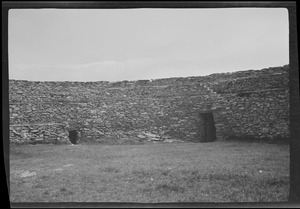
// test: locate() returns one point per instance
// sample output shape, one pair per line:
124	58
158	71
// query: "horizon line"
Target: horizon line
230	72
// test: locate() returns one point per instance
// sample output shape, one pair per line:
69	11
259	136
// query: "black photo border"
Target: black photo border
294	194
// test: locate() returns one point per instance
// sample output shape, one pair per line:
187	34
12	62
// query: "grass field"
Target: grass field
150	173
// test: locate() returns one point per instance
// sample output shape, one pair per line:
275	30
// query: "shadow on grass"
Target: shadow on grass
110	170
250	139
166	188
113	141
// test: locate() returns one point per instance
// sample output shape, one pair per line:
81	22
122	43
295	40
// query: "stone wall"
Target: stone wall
260	114
248	103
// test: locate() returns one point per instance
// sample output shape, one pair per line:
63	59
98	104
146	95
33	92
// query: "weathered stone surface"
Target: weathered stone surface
246	103
141	136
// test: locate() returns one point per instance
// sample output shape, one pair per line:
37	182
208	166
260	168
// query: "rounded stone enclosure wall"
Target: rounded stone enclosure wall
243	104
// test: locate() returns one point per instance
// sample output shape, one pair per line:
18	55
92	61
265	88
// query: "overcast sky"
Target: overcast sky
132	44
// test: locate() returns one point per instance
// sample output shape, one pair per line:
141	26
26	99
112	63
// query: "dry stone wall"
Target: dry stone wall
244	104
261	114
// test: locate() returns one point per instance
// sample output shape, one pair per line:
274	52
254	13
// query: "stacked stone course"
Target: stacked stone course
245	104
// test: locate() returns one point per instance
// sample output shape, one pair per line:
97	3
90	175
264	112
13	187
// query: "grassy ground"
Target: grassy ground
176	172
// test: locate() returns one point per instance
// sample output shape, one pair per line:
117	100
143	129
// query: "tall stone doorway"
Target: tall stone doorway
206	127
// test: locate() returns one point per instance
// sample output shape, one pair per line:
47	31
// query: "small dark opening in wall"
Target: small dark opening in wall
73	136
206	128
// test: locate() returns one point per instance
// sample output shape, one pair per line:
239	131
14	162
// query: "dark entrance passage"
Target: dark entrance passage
207	129
73	136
